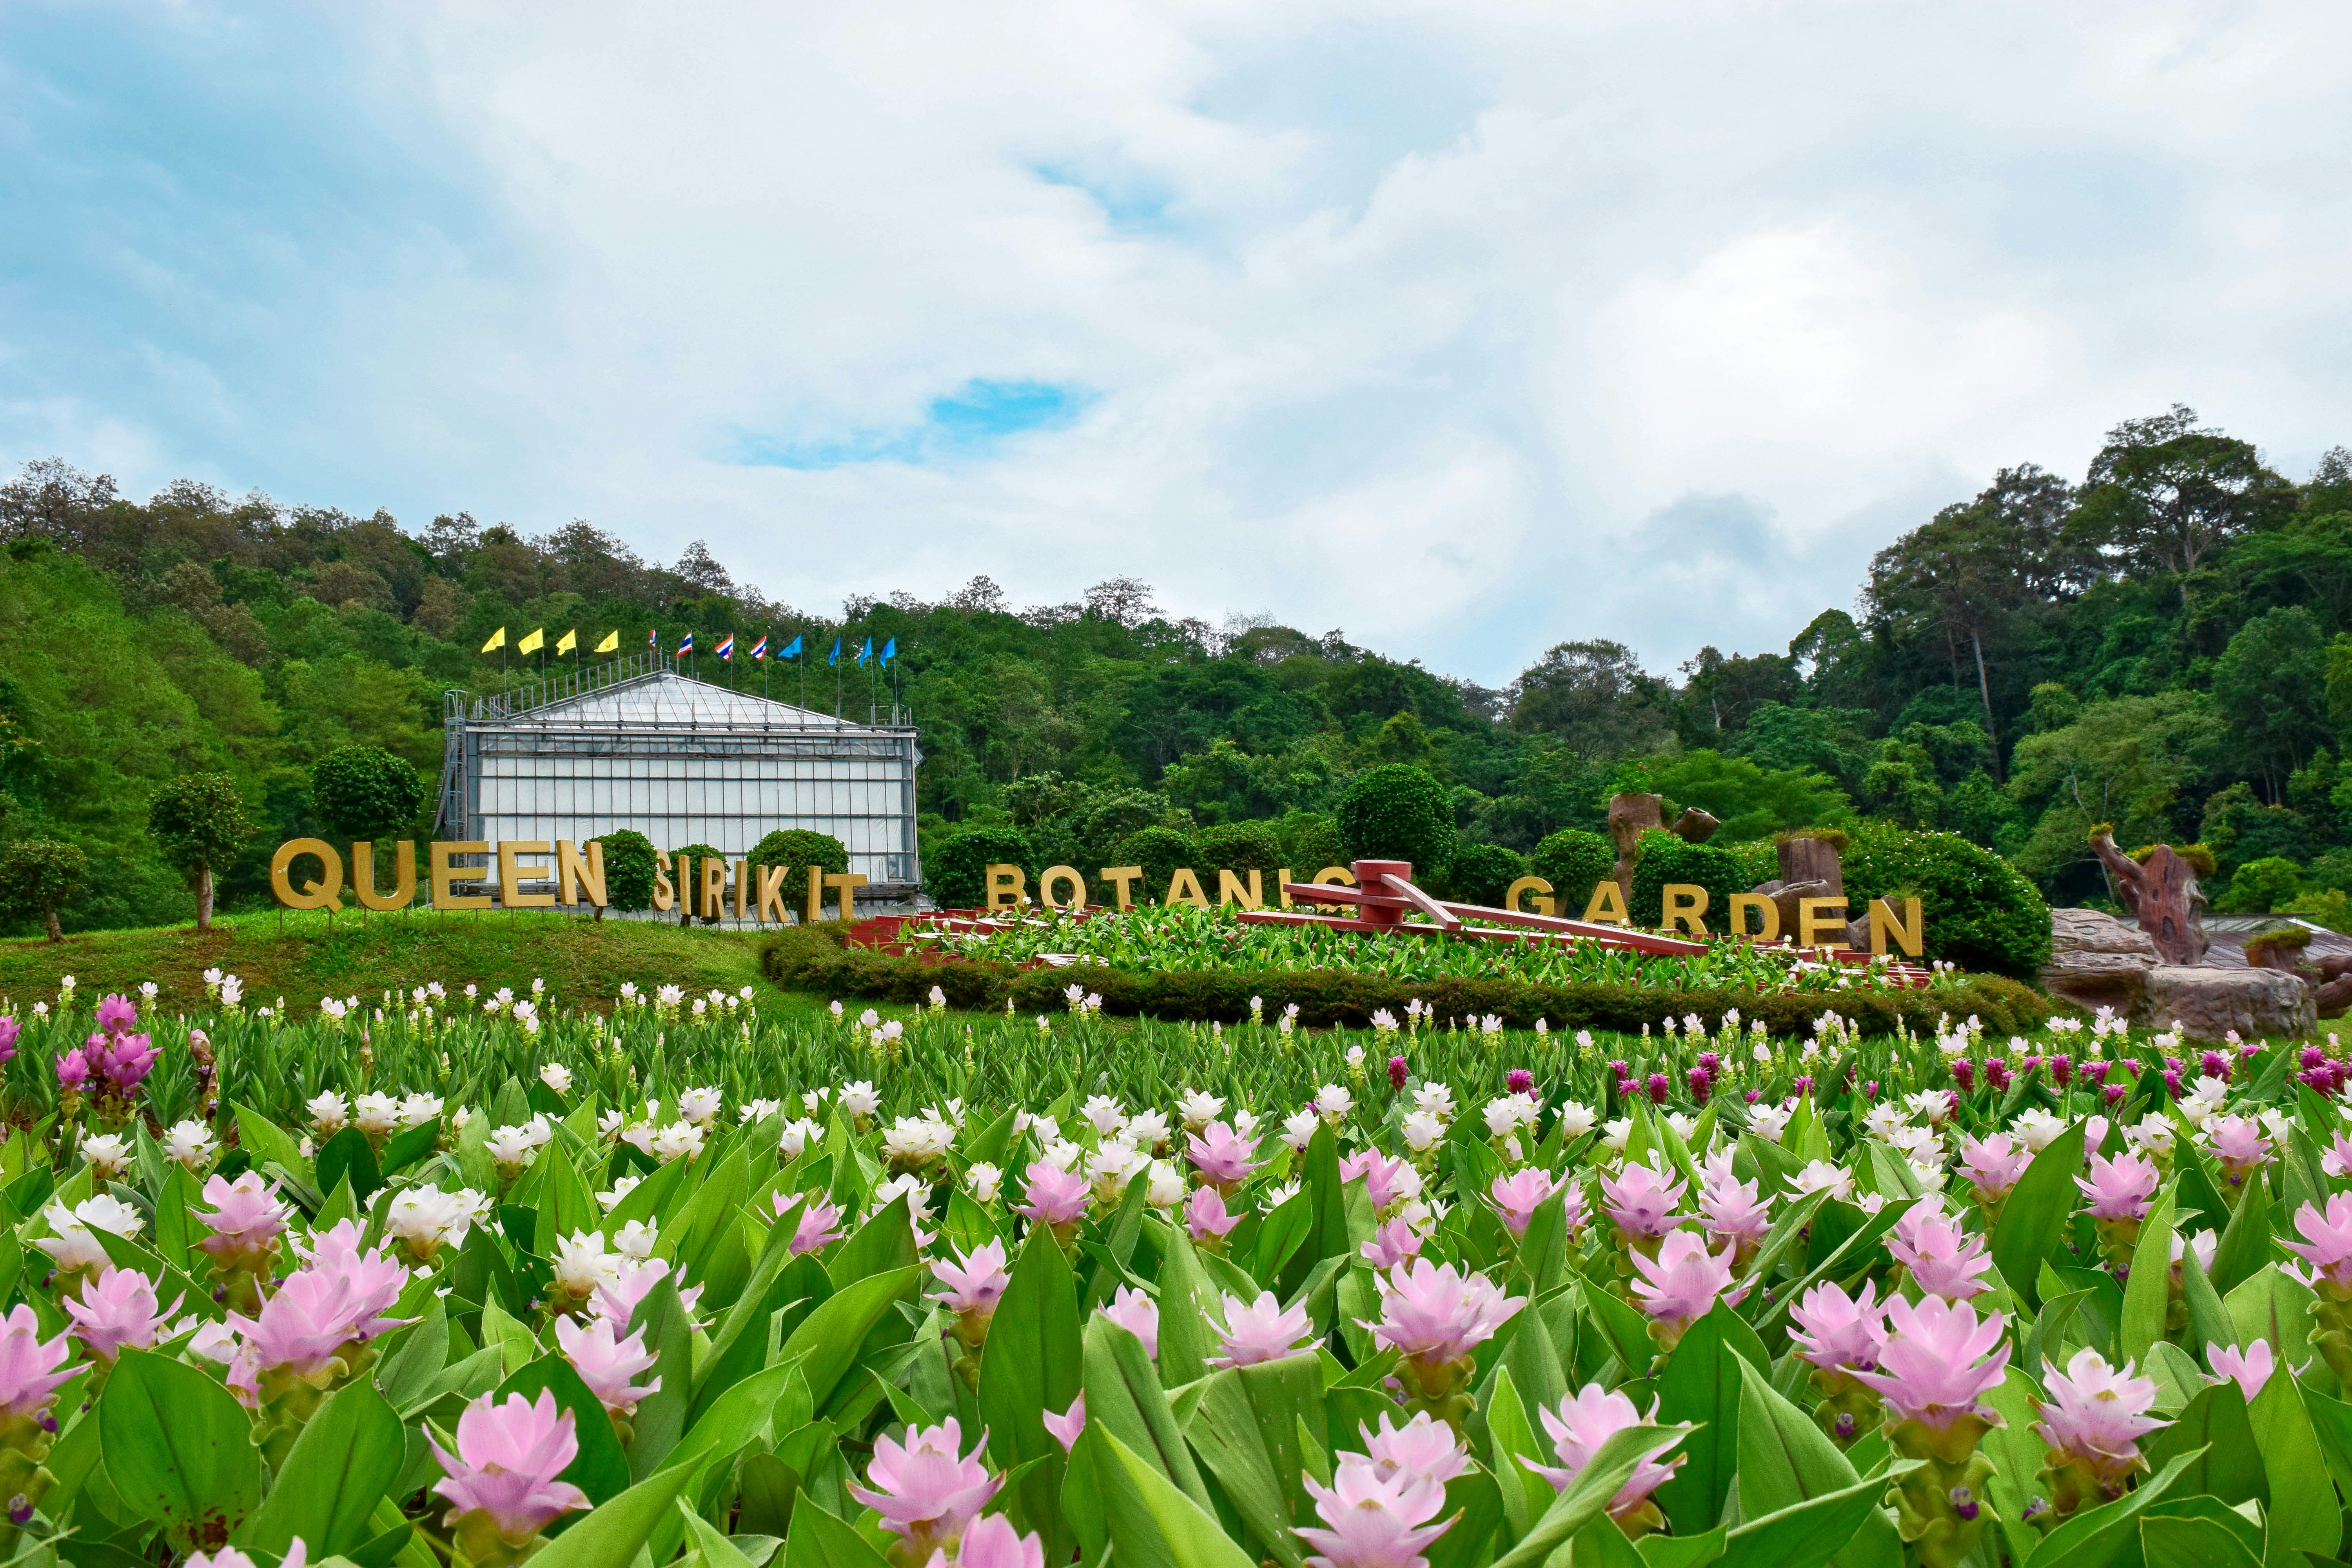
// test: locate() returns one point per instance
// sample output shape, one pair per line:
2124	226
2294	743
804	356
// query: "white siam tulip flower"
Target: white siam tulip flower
557	1077
429	1219
1820	1176
1105	1115
1768	1121
377	1115
2036	1129
1149	1131
797	1136
1575	1119
416	1110
1199	1109
860	1101
1167	1187
109	1154
330	1113
759	1110
680	1139
1333	1102
636	1240
1436	1098
622	1187
581	1264
985	1180
192	1144
1616	1134
700	1106
1422	1130
1298	1129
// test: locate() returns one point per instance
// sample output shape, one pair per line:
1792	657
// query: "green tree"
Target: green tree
798	849
2271	682
40	876
1980	913
199	824
1482	873
2141	762
1160	851
2164	494
1574	862
689	897
1396	811
2262	886
1241	846
957	872
1666	858
629	863
366	792
1594	697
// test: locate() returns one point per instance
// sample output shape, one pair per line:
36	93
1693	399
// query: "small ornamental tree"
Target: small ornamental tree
1161	851
40	876
1482	873
1241	846
689	895
1397	812
199	823
799	848
1980	911
1666	858
366	792
1573	861
629	860
958	874
2262	886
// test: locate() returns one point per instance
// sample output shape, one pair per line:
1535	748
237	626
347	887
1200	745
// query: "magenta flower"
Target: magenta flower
1374	1521
2251	1368
1063	1426
1935	1368
1398	1072
605	1362
974	1282
506	1477
1585	1420
1519	1196
1434	1313
819	1226
1392	1244
1640	1202
116	1014
1681	1284
1138	1314
73	1069
1259	1331
1993	1164
2240	1146
1221	1155
927	1490
123	1060
245	1217
2095	1416
9	1029
1206	1216
31	1368
1733	1212
2327	1243
1420	1447
1838	1332
1055	1196
1945	1259
993	1543
1388	1183
117	1309
2118	1189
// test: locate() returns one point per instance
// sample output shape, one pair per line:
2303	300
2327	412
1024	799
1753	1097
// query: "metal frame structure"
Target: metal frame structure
638	744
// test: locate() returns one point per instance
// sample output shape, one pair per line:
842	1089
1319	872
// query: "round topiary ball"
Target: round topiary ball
1980	911
1239	846
799	848
1573	861
1397	812
1482	873
629	859
1160	851
366	792
1666	858
957	877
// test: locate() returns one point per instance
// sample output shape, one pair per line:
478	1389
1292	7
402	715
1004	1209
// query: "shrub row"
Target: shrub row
816	958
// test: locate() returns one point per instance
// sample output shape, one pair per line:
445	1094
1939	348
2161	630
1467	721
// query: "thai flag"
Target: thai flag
727	647
759	648
686	645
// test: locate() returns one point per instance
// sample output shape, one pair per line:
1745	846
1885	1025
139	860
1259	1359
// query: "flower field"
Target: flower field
435	1276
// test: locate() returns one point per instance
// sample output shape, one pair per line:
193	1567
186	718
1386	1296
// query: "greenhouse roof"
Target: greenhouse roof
669	700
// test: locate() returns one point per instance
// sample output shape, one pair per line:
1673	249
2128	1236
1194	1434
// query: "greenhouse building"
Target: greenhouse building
638	743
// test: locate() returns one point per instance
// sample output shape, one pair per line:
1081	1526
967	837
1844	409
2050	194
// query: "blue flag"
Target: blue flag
864	652
834	656
890	649
794	652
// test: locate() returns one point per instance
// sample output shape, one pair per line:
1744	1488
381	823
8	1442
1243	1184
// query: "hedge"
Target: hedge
816	958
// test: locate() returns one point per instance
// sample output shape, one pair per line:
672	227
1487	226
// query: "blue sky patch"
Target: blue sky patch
969	422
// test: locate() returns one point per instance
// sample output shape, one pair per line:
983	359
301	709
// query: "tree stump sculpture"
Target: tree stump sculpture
1630	816
2161	894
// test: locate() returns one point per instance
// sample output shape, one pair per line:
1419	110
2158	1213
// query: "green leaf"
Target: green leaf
1476	1503
1603	1475
348	1156
718	1552
598	1469
1034	1360
1510	1438
828	1339
1186	1339
1807	1534
179	1448
734	1418
2229	1465
2245	1244
347	1454
2034	1217
565	1203
2093	1538
1239	1451
611	1536
2151	1273
660	1420
2016	1451
1151	1523
1626	1329
1700	1384
2169	1543
2271	1304
883	1243
270	1144
1123	1393
2303	1515
1784	1458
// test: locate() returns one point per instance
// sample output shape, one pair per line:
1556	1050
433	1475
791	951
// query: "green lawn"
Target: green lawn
305	955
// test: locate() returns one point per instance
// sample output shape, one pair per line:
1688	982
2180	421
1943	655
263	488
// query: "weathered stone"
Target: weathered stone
2208	1003
1784	896
1806	860
2096	960
1693	825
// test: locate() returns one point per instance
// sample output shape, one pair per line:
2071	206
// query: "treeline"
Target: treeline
2162	644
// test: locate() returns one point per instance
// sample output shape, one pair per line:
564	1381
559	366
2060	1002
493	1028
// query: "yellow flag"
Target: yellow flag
610	643
532	640
570	641
497	640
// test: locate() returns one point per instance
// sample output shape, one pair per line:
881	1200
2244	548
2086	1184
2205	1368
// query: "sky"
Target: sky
1463	328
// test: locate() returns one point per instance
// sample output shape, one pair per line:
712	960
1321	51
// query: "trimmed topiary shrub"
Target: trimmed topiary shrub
800	848
1981	912
1160	851
199	822
1311	843
39	876
1482	873
1397	812
2261	886
629	869
1572	860
366	792
691	897
1666	858
957	877
1241	846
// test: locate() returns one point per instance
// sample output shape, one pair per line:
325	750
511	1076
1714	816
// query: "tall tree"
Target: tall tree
1595	697
2165	493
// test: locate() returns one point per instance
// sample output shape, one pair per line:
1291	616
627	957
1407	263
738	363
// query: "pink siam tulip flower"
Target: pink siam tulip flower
1221	1155
9	1029
1260	1331
31	1368
1353	1165
124	1060
372	1281
1945	1259
1434	1313
2336	1162
1733	1212
1518	1196
927	1490
246	1218
1993	1164
1681	1284
2093	1422
993	1543
1373	1522
1063	1426
1935	1369
116	1014
297	1556
2118	1189
605	1362
1392	1244
618	1298
2249	1368
506	1477
73	1069
819	1226
116	1310
2240	1146
1388	1183
1585	1420
1640	1202
975	1282
2326	1244
1838	1332
1206	1218
1420	1447
1055	1197
1138	1314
